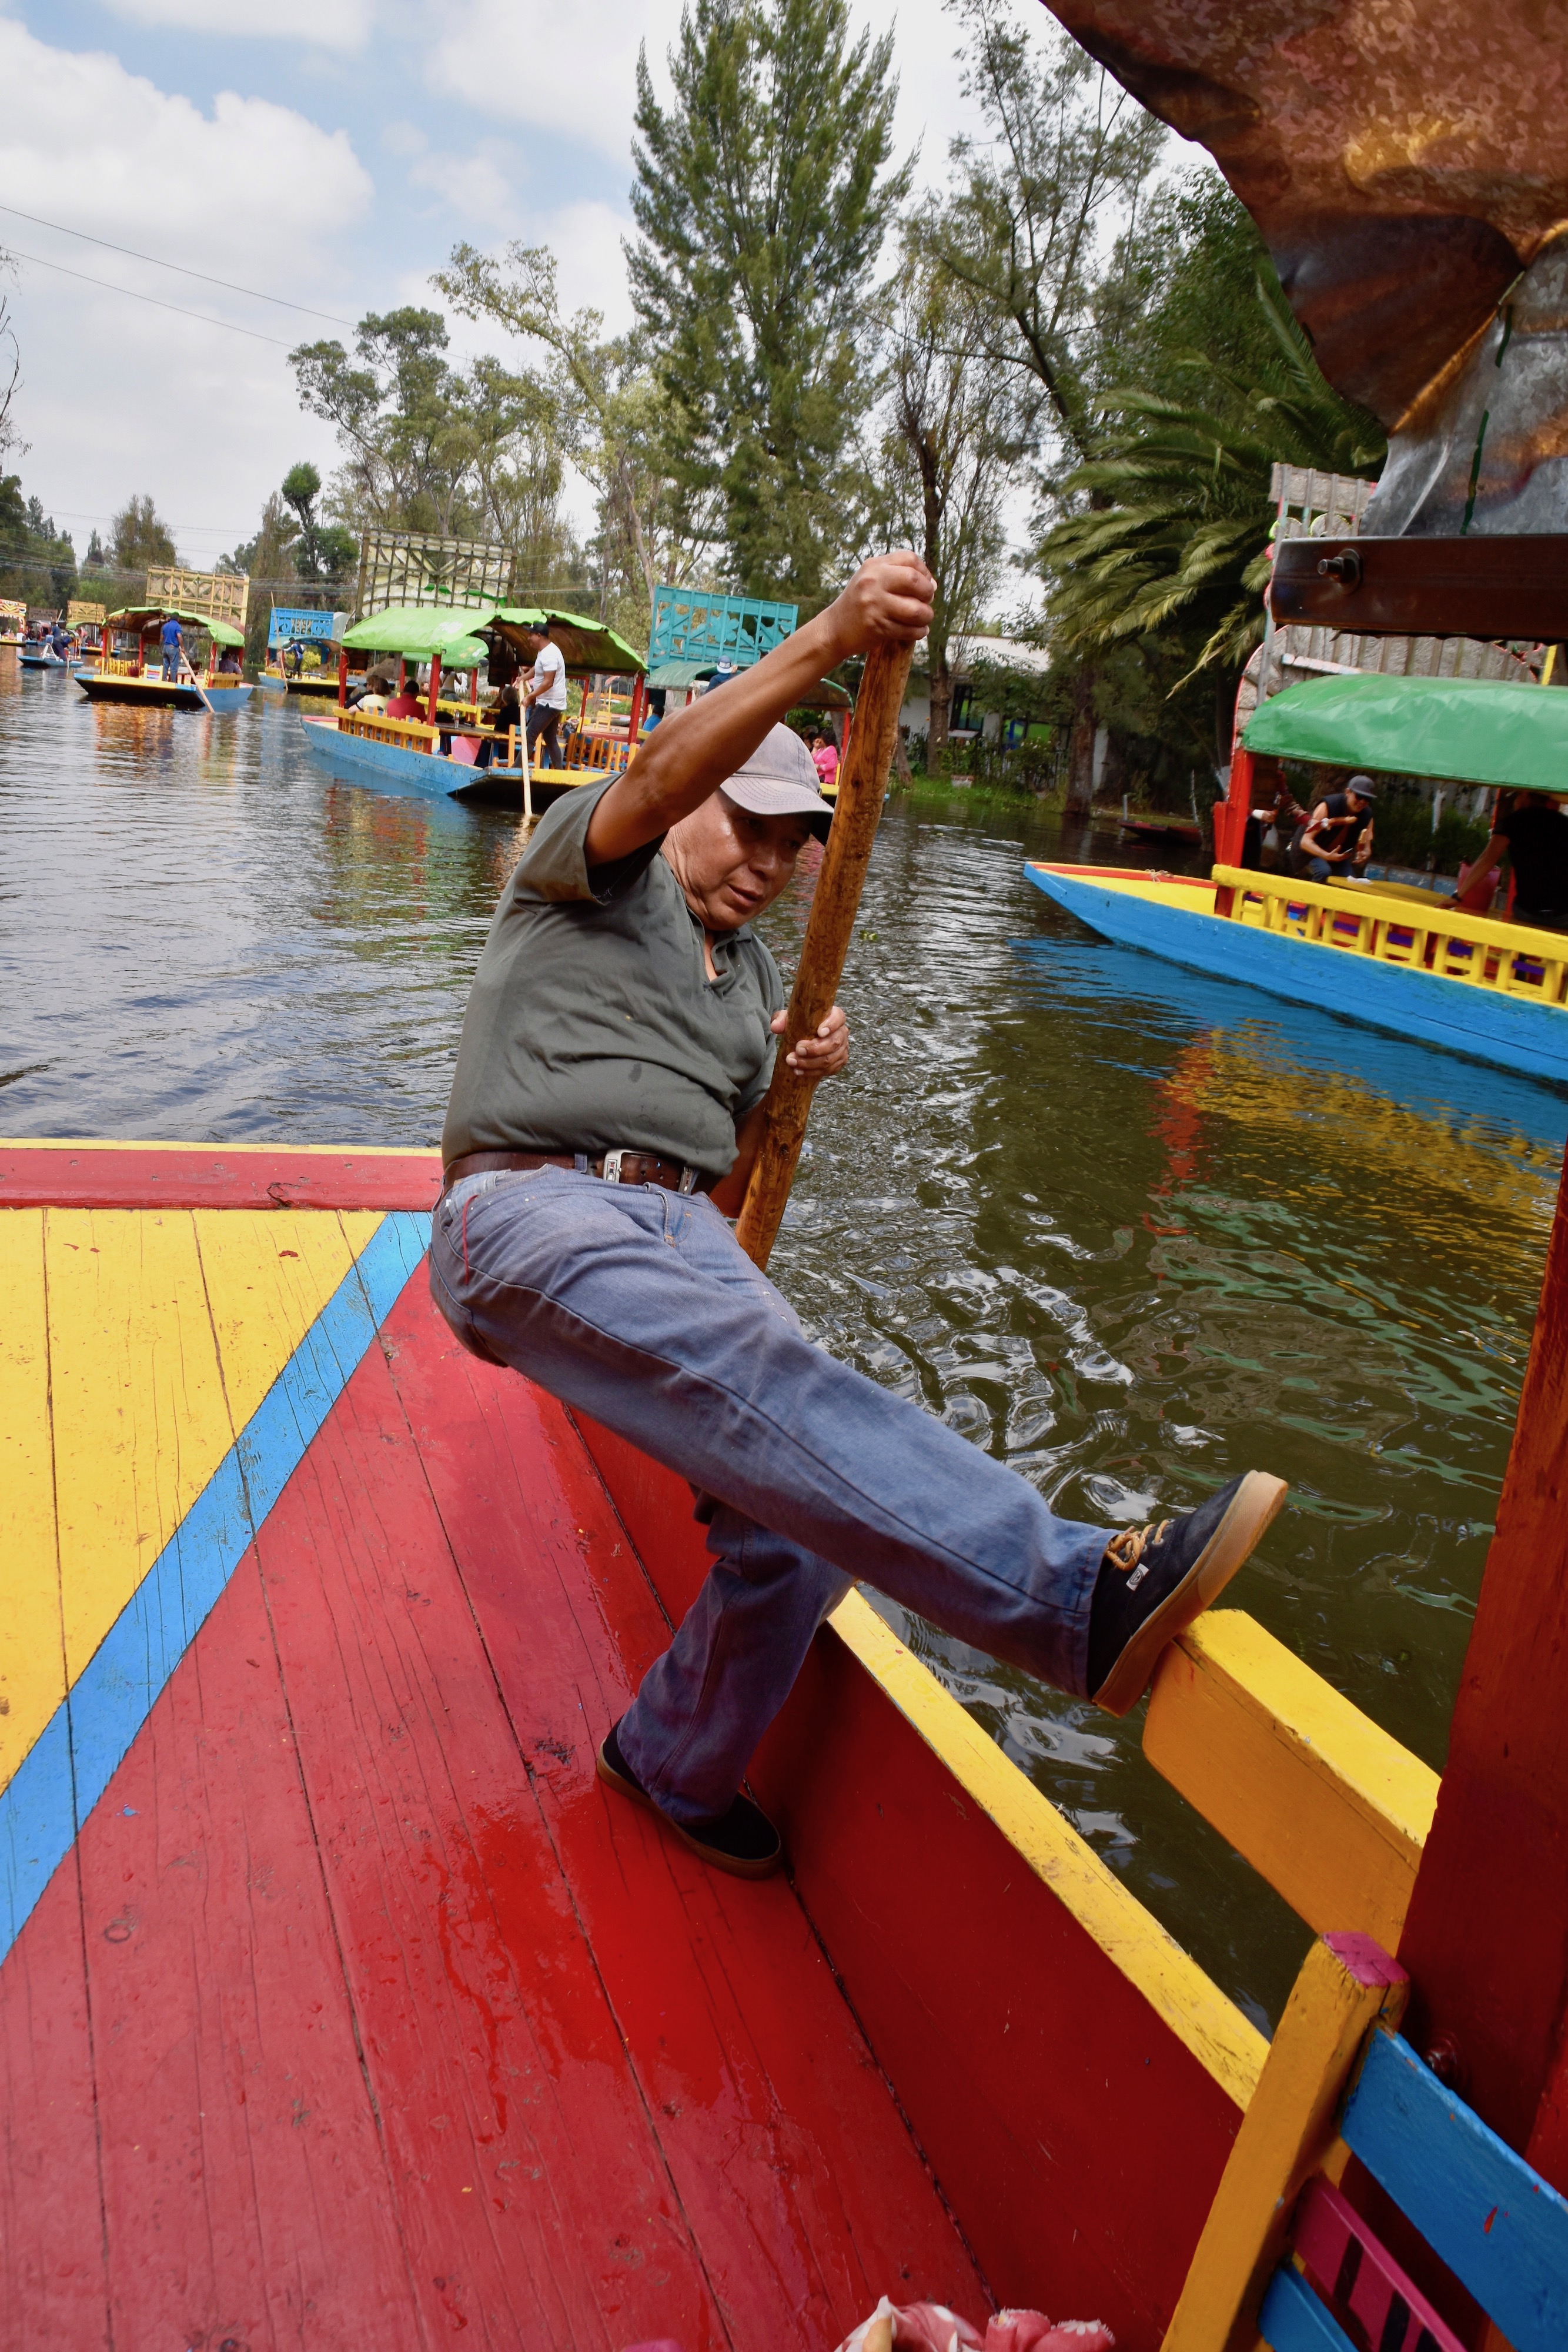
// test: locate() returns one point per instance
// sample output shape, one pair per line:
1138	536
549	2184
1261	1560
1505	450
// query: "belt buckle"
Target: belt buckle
610	1168
688	1182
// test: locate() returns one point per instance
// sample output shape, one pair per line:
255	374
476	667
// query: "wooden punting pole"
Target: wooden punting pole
862	782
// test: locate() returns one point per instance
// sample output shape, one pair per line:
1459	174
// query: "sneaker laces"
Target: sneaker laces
1127	1550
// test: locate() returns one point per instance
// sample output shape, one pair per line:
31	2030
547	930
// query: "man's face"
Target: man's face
730	864
1358	805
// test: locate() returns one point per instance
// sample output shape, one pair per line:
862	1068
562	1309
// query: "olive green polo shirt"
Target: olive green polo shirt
592	1024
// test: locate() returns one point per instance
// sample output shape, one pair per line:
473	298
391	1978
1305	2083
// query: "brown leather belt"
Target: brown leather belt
612	1168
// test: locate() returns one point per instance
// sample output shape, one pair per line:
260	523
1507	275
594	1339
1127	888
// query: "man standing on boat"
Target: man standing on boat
607	1106
174	642
545	699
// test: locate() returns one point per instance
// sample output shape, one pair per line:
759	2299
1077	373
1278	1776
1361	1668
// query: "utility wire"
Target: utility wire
278	341
129	251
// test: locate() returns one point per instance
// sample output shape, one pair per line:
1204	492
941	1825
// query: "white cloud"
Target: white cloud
569	71
327	24
251	183
119	396
473	185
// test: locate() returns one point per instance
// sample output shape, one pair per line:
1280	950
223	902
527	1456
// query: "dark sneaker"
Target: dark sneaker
742	1841
1155	1580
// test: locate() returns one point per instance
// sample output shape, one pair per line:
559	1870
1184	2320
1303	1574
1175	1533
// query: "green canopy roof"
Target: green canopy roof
453	631
1474	730
223	633
422	630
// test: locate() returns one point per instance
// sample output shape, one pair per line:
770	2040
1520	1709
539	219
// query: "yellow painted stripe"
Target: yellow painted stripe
31	1659
1222	2039
141	1423
269	1273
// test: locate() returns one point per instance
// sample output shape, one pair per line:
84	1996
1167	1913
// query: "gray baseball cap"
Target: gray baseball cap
1362	786
780	779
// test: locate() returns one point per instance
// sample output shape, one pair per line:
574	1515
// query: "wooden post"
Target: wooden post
862	784
342	677
1346	1986
635	721
527	775
1486	1939
434	689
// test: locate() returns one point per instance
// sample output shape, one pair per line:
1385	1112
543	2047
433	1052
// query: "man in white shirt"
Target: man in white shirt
545	699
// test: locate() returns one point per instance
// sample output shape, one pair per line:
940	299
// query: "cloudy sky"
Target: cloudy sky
330	151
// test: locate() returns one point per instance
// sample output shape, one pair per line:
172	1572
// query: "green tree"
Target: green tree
1169	545
427	448
610	413
958	424
762	195
324	553
1045	224
139	538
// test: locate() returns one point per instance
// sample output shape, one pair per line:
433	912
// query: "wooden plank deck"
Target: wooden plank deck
347	2007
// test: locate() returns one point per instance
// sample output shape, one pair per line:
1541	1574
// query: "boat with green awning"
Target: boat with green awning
1401	958
454	749
129	669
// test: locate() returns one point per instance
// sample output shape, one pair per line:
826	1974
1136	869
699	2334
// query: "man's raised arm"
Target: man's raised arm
691	755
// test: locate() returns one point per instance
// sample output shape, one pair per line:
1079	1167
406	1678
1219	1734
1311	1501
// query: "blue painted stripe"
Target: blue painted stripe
1457	1015
1293	2320
1502	2230
73	1760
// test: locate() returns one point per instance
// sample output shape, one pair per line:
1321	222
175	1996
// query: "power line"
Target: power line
179	266
179	309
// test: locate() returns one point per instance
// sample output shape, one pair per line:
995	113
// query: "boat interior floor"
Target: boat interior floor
347	2005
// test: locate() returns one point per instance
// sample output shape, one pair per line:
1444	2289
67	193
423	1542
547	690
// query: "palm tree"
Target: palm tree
1173	542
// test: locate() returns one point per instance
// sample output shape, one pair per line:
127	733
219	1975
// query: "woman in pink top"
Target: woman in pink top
825	758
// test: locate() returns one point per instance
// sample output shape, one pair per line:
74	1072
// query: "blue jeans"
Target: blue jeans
171	663
638	1306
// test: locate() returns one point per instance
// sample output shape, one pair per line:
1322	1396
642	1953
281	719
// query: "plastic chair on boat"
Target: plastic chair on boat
1286	2259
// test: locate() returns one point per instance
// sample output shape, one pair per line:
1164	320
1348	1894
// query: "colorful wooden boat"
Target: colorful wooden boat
435	758
340	2003
1405	960
129	669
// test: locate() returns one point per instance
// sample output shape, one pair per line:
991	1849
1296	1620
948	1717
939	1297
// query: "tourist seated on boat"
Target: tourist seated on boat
228	662
1337	837
544	699
505	713
407	703
607	1106
825	759
172	637
1275	810
1532	830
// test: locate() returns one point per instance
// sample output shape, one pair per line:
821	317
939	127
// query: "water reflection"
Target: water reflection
1131	1229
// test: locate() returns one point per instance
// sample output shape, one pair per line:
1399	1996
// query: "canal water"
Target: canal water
1131	1230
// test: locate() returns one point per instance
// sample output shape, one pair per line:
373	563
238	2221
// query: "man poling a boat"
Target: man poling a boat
607	1106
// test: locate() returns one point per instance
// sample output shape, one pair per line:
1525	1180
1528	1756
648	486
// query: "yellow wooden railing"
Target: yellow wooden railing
1511	959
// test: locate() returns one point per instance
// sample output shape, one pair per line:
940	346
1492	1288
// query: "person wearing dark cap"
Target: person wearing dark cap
606	1109
1337	837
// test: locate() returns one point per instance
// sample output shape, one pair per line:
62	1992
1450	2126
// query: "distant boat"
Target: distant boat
130	678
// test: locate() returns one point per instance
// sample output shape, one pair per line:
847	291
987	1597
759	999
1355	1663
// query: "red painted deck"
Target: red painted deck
360	2015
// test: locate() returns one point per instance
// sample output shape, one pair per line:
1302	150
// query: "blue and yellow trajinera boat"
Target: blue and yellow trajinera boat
1402	959
437	757
128	667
